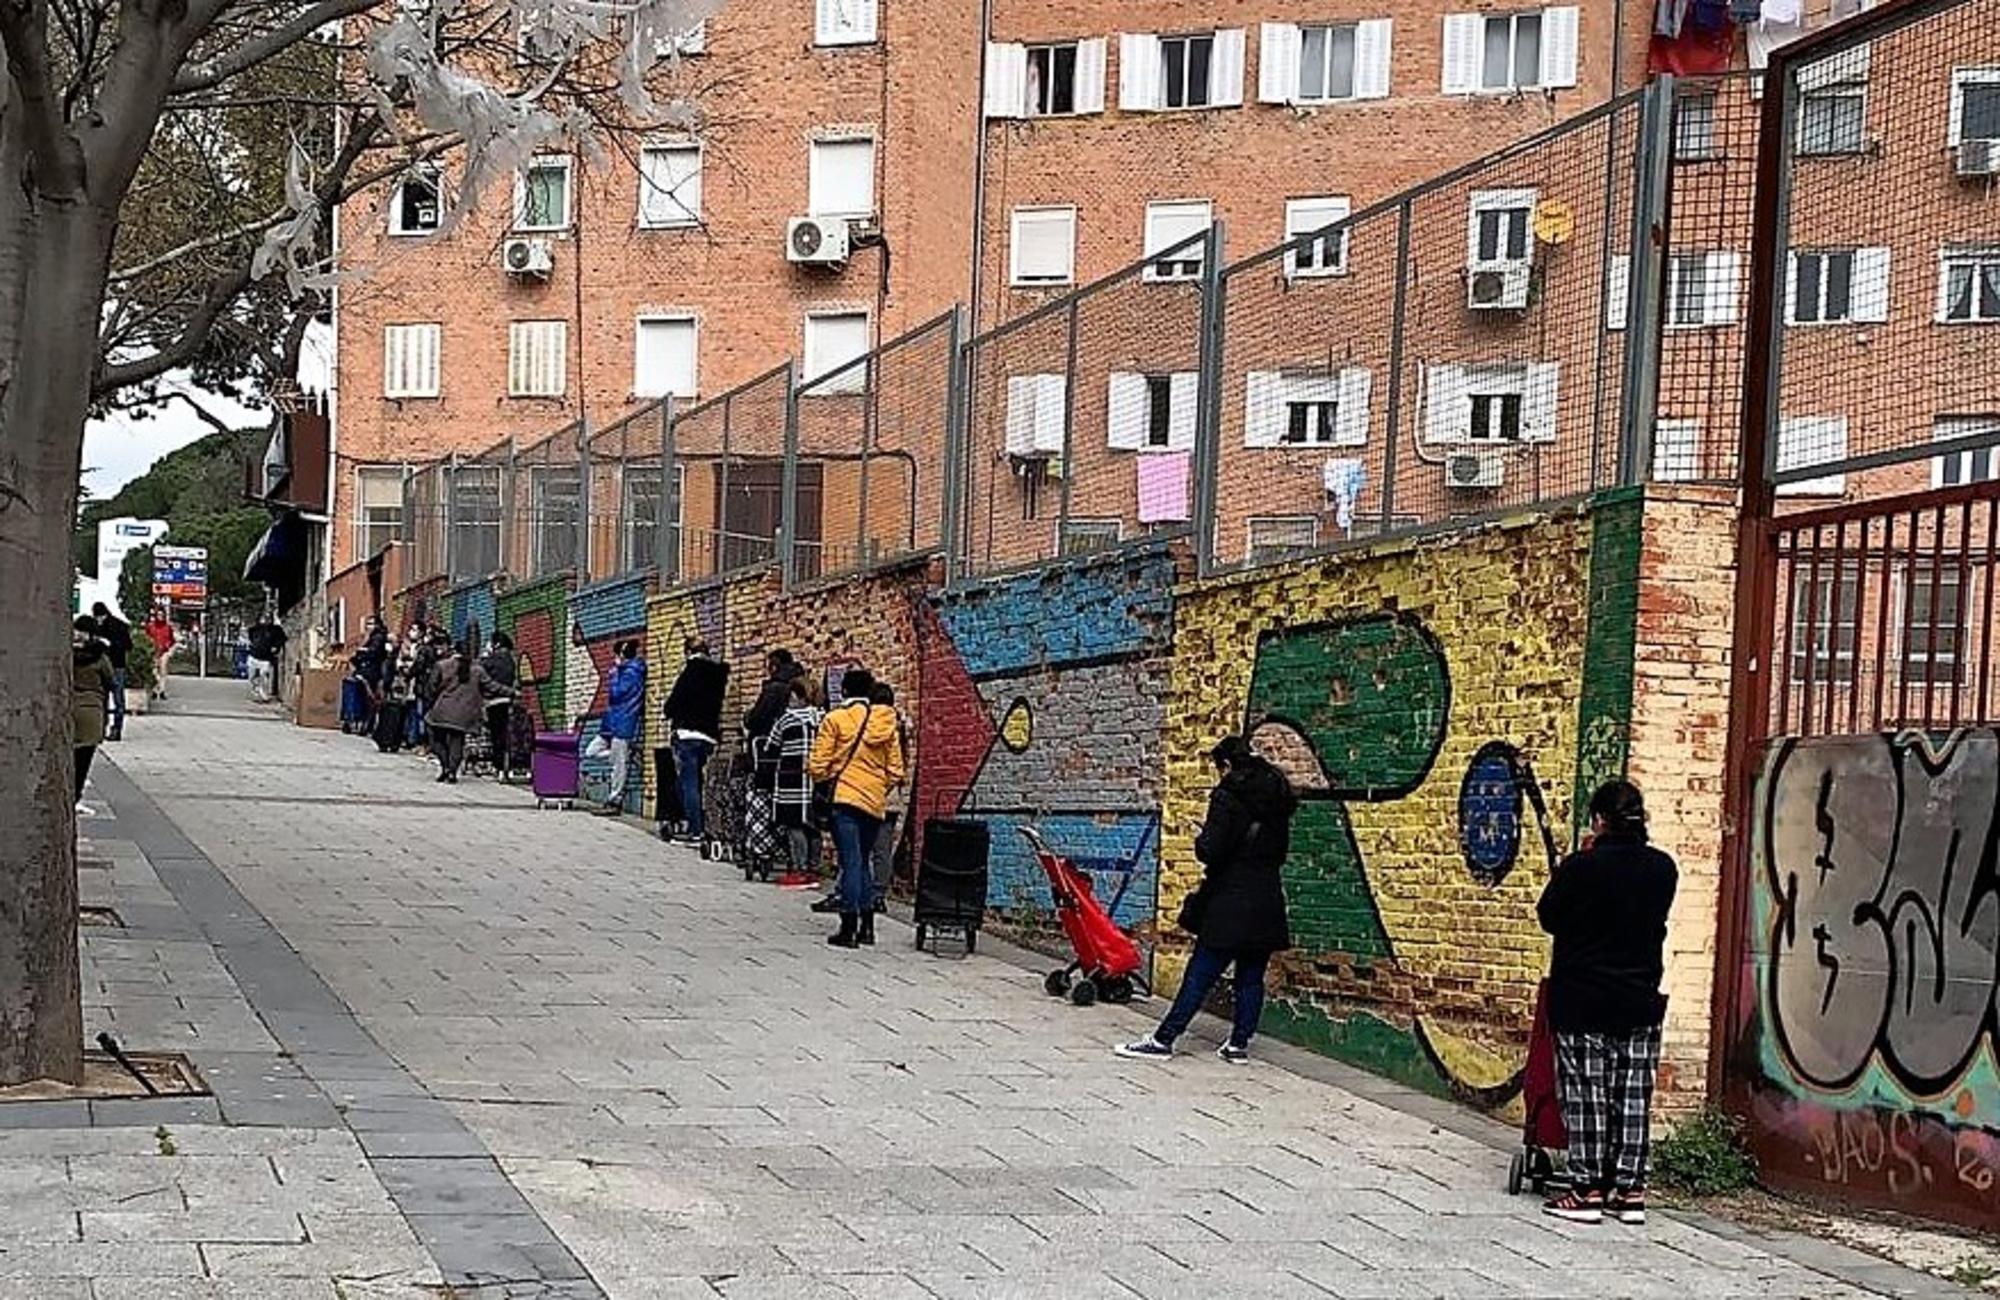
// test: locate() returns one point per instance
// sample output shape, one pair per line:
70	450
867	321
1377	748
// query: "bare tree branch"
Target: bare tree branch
24	35
269	45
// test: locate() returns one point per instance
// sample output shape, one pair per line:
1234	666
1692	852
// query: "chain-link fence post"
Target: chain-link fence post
667	503
1646	278
585	489
506	532
1068	461
1208	415
957	393
450	515
788	489
1399	308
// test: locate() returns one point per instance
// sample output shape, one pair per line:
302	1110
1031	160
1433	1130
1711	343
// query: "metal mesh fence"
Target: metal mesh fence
546	506
422	526
873	450
625	467
726	460
477	511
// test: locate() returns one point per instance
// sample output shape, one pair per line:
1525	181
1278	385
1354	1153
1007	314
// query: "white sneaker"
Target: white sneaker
1146	1049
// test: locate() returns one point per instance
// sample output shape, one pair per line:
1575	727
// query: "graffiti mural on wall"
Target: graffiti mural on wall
599	618
535	617
1878	960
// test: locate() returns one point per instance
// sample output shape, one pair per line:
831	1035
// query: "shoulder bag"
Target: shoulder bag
823	791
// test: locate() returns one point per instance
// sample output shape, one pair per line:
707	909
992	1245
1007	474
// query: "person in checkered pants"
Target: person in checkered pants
1606	907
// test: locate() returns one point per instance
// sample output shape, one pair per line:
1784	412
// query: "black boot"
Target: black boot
865	936
845	937
826	904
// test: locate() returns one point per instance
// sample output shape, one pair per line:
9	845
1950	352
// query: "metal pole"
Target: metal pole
1069	430
788	501
953	505
1208	414
666	505
1652	198
583	493
505	529
871	375
449	551
1398	309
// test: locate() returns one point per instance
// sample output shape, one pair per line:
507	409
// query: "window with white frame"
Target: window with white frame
1934	622
1491	402
1975	105
1835	285
542	194
416	207
670	185
410	360
1051	90
841	177
555	512
641	510
1326	254
1169	224
378	509
1037	413
1307	408
1277	537
1530	49
1043	247
1833	103
1702	289
663	363
1082	536
1806	441
1190	70
1976	465
1323	63
1676	451
1826	619
475	521
1184	70
844	22
834	340
1498	231
1969	285
537	358
1151	412
1058	79
1694	126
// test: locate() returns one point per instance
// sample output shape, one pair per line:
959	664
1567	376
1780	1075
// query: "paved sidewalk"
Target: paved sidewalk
580	1063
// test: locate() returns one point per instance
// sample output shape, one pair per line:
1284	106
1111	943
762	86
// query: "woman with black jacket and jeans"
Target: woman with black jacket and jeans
1606	908
1237	914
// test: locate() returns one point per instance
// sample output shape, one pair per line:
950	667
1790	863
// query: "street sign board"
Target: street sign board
180	575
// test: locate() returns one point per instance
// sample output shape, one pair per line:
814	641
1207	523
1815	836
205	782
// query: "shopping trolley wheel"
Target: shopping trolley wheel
1085	992
923	935
971	940
1516	1168
1056	983
1117	989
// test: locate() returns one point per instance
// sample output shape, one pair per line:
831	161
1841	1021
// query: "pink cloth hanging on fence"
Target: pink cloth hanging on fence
1163	487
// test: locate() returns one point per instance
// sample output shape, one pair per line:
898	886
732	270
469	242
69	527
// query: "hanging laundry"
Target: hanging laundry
1668	15
1707	16
1343	479
1787	13
1695	54
1768	36
1745	12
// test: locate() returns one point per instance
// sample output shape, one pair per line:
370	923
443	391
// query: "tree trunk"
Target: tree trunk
54	256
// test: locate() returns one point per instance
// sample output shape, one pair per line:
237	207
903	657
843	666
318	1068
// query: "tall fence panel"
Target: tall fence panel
424	527
478	513
725	467
625	465
547	506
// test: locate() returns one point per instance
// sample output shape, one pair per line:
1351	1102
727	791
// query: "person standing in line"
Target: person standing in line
116	634
774	697
882	863
625	700
160	632
90	689
267	646
501	670
693	713
859	751
1237	914
791	742
1606	908
460	706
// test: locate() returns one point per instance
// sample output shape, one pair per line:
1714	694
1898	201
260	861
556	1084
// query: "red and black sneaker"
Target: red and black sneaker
1576	1207
1627	1207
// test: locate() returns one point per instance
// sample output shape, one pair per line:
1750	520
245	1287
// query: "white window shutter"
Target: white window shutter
1225	69
1126	411
1277	63
1538	402
1350	428
1089	75
1464	52
1868	300
862	13
1139	74
1371	58
1183	399
1447	412
1618	292
1006	79
1559	46
1719	286
1051	408
1792	286
1264	413
1022	391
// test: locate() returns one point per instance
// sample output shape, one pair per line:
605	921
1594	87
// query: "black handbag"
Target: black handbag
823	791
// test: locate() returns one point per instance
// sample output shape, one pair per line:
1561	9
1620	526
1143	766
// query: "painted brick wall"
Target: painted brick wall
536	617
600	616
472	604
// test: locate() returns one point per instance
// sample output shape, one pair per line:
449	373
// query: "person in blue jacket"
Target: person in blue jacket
625	700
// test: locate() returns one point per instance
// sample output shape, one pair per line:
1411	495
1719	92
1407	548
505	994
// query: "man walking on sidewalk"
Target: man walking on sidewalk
694	720
116	634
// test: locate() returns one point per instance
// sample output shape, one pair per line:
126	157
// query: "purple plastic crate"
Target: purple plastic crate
557	763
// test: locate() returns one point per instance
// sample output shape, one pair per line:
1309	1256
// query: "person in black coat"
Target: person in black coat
116	634
693	714
1606	908
1237	914
774	697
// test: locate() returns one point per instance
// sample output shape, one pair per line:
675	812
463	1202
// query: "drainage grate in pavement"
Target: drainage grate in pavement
100	917
104	1079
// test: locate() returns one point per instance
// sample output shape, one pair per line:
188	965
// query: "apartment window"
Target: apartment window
1833	103
1184	70
1513	51
1969	285
1980	465
1278	537
1975	105
1043	249
1326	63
1488	403
416	208
1676	451
410	364
1808	441
1498	53
542	195
664	362
642	512
841	178
475	521
556	511
1496	417
1933	622
1171	224
1326	254
1197	70
378	509
537	358
1830	286
1152	412
669	185
1051	80
1701	289
1499	226
1306	408
1323	63
1825	623
1082	536
844	22
1037	413
834	340
1694	126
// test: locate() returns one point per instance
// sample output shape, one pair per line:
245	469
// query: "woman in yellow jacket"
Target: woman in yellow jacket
859	751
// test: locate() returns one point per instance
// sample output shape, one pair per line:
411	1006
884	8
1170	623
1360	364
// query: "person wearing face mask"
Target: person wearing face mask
90	690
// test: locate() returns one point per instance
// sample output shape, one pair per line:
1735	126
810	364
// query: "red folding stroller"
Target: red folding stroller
1107	960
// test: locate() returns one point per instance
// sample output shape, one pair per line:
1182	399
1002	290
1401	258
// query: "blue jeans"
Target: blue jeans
117	702
690	756
1204	969
854	835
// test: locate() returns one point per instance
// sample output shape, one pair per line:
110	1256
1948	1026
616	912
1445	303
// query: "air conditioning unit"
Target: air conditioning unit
1979	158
1498	287
528	257
816	241
1474	470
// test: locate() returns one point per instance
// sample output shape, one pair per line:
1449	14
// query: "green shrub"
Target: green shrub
139	668
1704	1156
